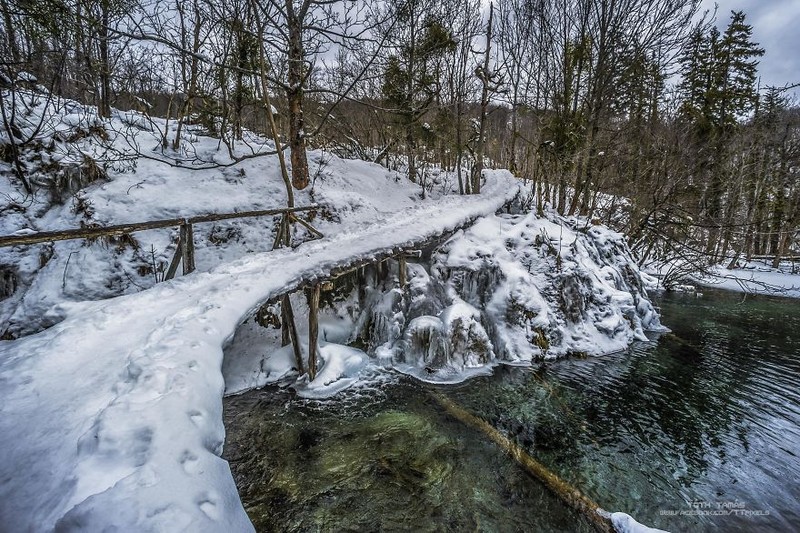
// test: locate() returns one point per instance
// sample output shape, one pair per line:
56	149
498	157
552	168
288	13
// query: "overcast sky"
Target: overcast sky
776	27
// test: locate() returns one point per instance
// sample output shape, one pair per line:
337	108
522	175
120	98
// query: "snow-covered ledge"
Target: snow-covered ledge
112	418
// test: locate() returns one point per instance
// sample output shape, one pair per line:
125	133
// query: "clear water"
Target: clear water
698	430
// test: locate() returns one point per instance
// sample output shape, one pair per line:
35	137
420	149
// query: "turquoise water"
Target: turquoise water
696	430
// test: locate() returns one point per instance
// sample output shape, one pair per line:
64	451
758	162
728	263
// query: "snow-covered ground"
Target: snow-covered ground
151	187
753	278
110	418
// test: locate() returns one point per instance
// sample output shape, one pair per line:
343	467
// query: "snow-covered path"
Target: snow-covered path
113	417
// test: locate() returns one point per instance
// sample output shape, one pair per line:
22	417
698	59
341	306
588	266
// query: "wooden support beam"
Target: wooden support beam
173	265
401	266
381	269
289	332
361	282
187	249
280	235
287	230
317	234
313	328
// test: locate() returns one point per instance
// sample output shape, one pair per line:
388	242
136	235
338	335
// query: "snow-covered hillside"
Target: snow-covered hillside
110	418
150	186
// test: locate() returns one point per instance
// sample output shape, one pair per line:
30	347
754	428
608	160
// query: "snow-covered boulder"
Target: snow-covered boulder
468	343
510	288
548	287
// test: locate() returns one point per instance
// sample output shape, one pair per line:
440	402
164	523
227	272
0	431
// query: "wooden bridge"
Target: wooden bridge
185	255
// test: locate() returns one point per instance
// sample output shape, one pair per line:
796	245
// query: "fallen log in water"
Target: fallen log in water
599	518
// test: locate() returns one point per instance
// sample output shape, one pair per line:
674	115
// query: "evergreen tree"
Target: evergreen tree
718	91
737	70
696	77
412	76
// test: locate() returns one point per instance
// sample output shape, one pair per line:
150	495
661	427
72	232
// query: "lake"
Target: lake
695	430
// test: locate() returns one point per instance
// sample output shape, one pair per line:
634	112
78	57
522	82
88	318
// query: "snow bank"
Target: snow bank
341	366
624	523
753	278
750	277
547	287
112	417
135	189
509	289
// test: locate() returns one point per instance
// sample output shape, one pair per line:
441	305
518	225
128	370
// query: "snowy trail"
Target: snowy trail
113	417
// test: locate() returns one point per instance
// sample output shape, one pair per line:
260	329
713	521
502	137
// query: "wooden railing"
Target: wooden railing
185	249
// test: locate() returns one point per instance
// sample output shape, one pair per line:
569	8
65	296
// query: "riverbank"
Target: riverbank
755	278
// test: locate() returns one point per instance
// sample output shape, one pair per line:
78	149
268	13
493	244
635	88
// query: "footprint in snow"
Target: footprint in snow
208	504
189	462
197	418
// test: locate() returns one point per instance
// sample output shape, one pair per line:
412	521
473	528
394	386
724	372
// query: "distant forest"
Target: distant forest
637	113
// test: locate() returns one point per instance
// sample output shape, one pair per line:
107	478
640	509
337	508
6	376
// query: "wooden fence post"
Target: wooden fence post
280	234
313	325
187	248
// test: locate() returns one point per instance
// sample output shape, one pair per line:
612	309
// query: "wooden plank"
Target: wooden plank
121	229
411	249
247	214
313	328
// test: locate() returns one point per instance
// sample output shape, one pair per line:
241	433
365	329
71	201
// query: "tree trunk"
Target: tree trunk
193	73
105	66
294	97
477	169
512	149
411	148
11	35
